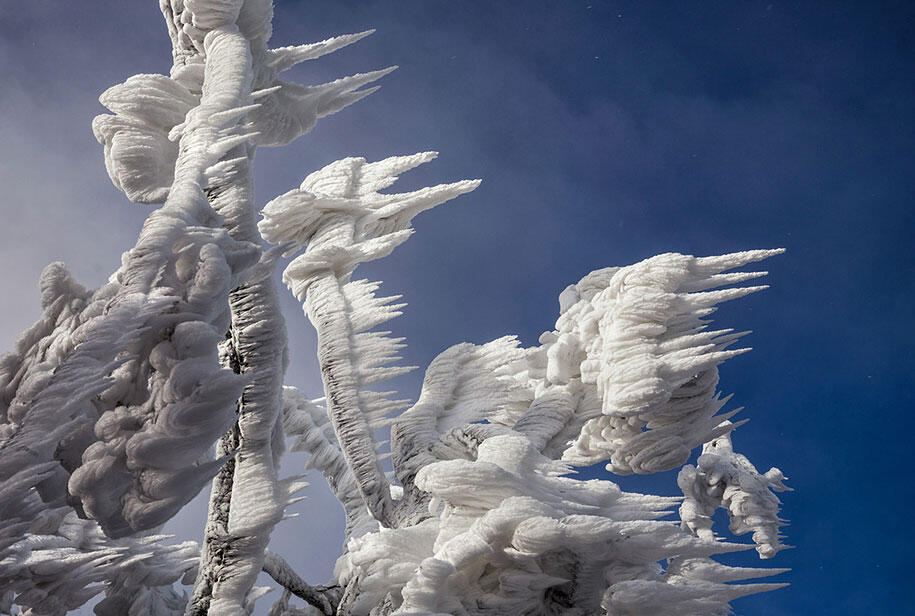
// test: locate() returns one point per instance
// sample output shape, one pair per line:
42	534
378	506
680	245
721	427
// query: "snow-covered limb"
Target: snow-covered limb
141	139
343	220
323	598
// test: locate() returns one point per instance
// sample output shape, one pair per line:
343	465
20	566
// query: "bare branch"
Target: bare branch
325	598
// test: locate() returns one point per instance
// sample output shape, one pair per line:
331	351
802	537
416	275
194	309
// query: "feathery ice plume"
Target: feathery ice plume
122	385
638	334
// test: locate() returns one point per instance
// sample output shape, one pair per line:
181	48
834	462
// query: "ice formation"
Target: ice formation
629	374
120	403
727	479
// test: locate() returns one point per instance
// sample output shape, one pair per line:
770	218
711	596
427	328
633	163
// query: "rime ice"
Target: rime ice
121	402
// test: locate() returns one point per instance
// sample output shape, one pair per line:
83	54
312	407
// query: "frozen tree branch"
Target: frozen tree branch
338	213
314	434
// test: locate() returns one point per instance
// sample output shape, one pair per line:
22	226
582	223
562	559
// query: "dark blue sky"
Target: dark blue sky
604	133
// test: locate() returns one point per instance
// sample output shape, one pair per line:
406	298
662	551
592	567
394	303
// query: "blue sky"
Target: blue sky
604	133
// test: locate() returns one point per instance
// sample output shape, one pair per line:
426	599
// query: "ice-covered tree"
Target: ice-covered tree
120	403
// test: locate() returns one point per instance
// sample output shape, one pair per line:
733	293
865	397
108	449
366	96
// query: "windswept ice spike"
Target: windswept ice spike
346	192
283	58
292	110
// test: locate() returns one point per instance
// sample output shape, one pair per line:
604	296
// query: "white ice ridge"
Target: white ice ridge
342	220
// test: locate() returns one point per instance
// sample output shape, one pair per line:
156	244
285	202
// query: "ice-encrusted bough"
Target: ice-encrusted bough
121	402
